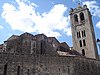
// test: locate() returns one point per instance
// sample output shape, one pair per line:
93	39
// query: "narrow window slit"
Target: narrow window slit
5	69
18	70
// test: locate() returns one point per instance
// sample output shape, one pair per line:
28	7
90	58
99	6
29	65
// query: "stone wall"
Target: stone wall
14	64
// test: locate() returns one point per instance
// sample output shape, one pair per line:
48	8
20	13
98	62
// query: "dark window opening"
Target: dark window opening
83	52
84	43
4	50
80	43
34	45
5	69
83	33
78	35
59	69
41	52
28	73
34	49
75	18
81	16
18	70
42	47
1	48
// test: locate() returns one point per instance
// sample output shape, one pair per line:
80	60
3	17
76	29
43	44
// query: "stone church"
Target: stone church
29	54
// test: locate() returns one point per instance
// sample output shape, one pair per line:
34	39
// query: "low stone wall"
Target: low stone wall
15	64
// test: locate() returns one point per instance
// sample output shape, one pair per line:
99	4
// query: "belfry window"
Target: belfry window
78	35
84	43
75	18
83	52
83	33
80	42
81	16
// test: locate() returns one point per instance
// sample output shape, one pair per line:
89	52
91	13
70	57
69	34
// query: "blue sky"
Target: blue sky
50	17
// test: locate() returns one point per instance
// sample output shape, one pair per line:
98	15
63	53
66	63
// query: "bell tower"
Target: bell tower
83	35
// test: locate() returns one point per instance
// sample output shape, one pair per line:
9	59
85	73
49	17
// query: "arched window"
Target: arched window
75	18
80	43
43	45
84	43
83	52
81	16
83	34
78	35
41	52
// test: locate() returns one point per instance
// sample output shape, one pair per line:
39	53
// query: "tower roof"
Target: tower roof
78	8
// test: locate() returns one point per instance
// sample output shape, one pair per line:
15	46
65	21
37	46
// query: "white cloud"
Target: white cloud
98	24
25	18
1	27
93	7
